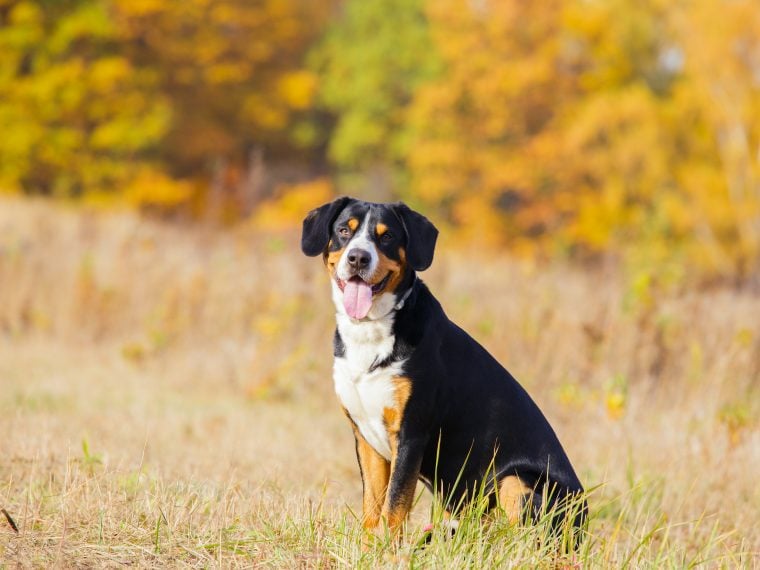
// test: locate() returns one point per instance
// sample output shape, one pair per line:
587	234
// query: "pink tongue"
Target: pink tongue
357	298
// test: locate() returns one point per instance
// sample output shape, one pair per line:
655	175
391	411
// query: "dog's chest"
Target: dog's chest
366	394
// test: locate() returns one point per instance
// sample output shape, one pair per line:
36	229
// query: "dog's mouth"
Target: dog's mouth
376	288
357	294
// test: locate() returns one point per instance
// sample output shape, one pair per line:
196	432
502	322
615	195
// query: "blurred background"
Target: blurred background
581	129
165	348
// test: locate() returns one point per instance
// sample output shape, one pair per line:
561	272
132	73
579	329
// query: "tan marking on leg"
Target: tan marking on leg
381	228
402	389
353	223
512	493
375	474
393	417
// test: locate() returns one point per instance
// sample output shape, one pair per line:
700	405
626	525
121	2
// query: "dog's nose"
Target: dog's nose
358	259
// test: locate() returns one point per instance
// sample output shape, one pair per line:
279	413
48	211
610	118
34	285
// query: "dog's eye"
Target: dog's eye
387	237
344	232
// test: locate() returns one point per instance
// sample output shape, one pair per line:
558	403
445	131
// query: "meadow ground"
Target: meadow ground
165	400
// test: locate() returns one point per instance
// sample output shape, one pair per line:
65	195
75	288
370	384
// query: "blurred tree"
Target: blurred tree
474	155
75	113
615	147
717	110
89	88
657	147
371	60
585	128
593	127
232	70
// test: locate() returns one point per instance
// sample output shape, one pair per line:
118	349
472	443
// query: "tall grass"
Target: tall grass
165	398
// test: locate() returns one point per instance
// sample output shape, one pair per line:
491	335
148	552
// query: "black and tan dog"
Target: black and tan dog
425	400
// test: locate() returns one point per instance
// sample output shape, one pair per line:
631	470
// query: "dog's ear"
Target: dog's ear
421	236
316	226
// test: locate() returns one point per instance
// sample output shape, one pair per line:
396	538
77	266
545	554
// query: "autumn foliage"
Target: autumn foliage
591	130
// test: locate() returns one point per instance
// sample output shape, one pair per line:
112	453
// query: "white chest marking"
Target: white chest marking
365	394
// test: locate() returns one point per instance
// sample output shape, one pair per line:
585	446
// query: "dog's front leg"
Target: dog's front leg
406	459
375	471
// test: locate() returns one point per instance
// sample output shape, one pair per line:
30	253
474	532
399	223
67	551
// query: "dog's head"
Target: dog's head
371	251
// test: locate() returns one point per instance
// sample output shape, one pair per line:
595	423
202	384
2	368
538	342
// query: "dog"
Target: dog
425	400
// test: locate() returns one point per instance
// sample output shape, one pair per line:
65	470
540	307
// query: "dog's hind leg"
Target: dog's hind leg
515	497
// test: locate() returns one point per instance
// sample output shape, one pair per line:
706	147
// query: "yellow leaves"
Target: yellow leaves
287	209
617	134
625	127
25	14
129	132
616	397
720	66
141	7
263	112
596	125
481	224
297	88
614	48
148	189
106	73
224	73
231	71
153	189
597	218
75	111
474	146
294	91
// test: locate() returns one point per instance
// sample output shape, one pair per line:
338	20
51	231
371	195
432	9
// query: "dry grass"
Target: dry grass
165	399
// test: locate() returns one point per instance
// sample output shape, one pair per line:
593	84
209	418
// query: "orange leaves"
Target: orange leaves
297	88
286	210
152	189
232	69
606	127
476	125
624	127
74	114
721	67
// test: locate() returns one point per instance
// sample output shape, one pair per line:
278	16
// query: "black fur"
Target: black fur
316	226
467	422
421	236
401	351
487	423
339	349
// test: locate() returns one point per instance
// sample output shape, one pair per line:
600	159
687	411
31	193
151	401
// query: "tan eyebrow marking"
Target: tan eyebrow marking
381	229
353	223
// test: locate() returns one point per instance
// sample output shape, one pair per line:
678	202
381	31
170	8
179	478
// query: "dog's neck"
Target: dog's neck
375	328
371	339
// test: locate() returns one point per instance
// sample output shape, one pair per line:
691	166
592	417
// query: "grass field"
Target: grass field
166	400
